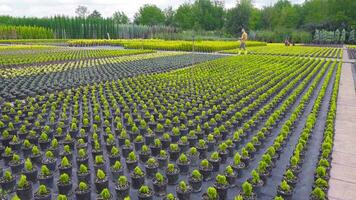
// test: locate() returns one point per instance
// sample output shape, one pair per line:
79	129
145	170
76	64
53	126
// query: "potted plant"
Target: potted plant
97	151
16	164
162	159
65	167
138	142
183	144
192	138
173	152
166	140
290	178
101	181
83	174
170	196
8	181
15	143
223	152
145	193
24	188
193	155
64	184
183	190
284	190
105	195
137	178
211	194
211	142
29	171
221	186
99	163
196	180
127	148
131	161
82	192
44	141
117	170
81	144
151	167
215	159
45	177
247	191
318	194
7	155
43	193
50	161
156	147
82	157
202	148
54	148
67	152
230	176
159	184
26	148
114	155
237	165
183	163
245	157
122	187
144	154
172	174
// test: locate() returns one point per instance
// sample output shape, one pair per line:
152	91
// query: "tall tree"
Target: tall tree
81	11
95	15
120	17
149	15
239	17
184	17
169	15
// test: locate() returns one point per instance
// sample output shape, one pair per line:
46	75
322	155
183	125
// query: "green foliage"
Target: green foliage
284	186
318	193
183	186
42	190
159	177
45	171
144	189
132	156
65	162
149	15
196	174
117	165
64	178
83	186
22	182
83	169
100	174
247	188
28	164
138	171
105	194
212	193
122	181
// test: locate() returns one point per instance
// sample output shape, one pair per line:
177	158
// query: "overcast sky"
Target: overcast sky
42	8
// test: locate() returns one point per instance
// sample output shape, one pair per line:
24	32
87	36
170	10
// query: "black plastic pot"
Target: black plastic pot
8	185
116	173
206	172
137	181
159	188
202	151
25	193
184	195
148	196
43	197
183	167
122	192
31	175
113	158
46	180
84	161
83	195
16	167
195	183
223	155
151	170
155	150
101	184
64	188
215	164
173	177
84	177
173	155
68	170
131	164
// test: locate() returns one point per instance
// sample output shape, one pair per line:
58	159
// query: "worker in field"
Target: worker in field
243	40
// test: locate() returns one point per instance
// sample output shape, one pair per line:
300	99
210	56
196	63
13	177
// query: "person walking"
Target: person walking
243	40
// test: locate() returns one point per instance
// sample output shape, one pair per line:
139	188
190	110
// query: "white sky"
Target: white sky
43	8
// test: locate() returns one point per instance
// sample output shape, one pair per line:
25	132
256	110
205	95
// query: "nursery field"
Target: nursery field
85	124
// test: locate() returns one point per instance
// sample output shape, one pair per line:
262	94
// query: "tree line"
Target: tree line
270	23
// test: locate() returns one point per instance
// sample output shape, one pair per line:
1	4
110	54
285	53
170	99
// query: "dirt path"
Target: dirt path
343	172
